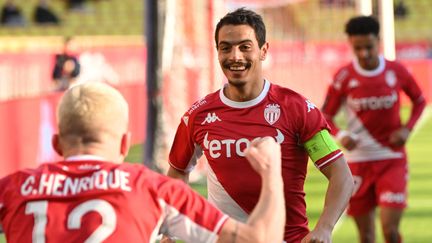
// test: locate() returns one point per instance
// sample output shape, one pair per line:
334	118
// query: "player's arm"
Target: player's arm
334	100
183	154
267	220
413	91
177	174
339	191
329	159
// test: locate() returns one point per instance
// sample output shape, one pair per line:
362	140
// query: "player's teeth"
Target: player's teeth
237	68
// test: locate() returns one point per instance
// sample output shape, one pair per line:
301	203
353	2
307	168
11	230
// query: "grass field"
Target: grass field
418	216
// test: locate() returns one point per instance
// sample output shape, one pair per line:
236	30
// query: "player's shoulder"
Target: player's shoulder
343	73
286	95
11	181
288	99
394	65
203	103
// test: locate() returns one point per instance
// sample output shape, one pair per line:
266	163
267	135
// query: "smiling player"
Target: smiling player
223	124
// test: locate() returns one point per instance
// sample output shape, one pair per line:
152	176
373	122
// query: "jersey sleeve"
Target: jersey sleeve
311	120
184	153
413	91
314	135
322	149
188	216
334	99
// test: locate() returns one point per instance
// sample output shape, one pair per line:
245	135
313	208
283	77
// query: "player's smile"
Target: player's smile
237	68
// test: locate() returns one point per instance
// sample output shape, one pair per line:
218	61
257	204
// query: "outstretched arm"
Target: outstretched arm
339	191
267	220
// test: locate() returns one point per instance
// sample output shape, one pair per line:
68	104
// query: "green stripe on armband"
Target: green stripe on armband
320	145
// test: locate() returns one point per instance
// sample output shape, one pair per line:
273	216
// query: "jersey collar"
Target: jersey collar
245	104
82	157
369	73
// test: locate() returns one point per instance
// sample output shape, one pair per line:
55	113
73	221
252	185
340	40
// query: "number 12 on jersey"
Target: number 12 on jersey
39	210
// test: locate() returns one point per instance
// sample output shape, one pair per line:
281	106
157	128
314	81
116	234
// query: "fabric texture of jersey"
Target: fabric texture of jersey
75	201
372	102
222	129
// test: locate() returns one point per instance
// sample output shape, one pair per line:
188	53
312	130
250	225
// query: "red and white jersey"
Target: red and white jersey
372	102
96	201
222	129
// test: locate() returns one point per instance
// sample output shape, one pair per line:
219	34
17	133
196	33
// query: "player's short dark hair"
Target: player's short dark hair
362	25
244	16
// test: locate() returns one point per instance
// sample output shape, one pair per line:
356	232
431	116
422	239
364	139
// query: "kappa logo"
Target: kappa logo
353	83
211	117
310	105
272	113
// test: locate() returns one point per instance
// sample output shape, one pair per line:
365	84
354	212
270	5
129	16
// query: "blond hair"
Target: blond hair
91	110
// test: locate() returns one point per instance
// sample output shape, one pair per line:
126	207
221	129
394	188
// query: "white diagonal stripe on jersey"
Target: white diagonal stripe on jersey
182	226
221	199
368	149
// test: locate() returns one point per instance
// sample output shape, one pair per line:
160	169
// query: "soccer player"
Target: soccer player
92	196
369	88
223	124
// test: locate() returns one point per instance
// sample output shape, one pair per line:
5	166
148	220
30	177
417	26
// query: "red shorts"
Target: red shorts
382	183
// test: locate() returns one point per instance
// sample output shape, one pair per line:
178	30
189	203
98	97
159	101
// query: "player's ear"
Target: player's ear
55	141
264	50
125	144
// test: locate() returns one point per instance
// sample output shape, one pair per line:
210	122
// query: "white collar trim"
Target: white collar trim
245	104
84	157
370	73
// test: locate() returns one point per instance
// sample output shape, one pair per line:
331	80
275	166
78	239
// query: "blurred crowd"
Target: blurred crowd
12	15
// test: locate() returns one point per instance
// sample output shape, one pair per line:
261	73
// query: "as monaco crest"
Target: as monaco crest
272	113
390	79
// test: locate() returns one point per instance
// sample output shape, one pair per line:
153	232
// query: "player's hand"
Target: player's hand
318	236
399	137
166	239
264	154
349	141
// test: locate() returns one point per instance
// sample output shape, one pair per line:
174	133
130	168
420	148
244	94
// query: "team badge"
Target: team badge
390	78
272	113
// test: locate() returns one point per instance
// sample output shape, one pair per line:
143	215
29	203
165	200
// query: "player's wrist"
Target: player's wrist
272	180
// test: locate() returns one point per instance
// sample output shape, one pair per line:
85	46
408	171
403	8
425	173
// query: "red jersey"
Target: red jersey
372	102
96	201
222	129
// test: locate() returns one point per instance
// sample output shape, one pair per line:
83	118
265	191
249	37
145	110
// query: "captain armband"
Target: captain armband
320	145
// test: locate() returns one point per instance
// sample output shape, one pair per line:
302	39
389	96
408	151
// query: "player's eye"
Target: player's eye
245	47
224	48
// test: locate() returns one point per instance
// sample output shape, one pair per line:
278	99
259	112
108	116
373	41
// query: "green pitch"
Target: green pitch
415	225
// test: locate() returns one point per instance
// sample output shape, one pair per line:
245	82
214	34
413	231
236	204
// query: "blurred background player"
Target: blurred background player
369	88
223	124
66	67
92	196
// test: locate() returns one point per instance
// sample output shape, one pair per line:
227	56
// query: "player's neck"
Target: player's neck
94	150
242	93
